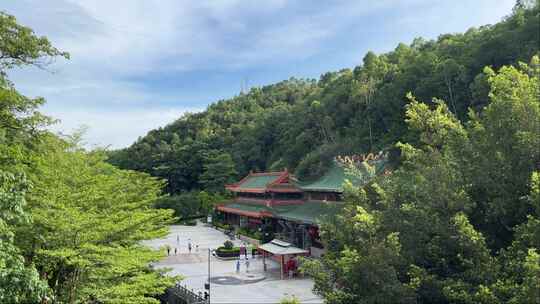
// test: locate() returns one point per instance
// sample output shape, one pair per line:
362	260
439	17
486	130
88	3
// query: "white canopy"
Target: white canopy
278	247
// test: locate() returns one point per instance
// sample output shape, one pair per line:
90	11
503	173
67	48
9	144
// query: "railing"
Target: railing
182	295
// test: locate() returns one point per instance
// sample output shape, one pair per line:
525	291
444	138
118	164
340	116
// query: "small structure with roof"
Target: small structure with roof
284	253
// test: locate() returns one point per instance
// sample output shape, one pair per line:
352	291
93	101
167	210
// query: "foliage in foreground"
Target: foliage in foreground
19	282
88	221
19	126
290	300
459	221
70	223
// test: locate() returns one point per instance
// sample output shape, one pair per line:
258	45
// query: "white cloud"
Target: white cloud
114	129
118	47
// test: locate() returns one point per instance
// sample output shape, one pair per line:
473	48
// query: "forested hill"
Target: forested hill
299	123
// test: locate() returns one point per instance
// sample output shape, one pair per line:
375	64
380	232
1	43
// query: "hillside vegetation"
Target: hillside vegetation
297	123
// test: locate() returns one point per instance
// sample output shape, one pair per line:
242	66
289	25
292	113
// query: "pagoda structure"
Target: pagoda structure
291	209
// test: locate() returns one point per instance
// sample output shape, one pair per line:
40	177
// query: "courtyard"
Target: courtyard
227	286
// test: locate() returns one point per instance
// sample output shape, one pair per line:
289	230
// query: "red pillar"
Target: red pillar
281	262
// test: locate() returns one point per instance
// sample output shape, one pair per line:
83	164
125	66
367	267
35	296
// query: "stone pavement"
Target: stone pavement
255	286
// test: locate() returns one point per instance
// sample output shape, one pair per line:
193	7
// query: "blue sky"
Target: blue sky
139	64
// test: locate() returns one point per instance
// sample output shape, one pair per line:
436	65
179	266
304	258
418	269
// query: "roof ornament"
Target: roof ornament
356	160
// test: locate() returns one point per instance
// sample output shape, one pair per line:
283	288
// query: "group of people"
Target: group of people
189	245
246	263
243	251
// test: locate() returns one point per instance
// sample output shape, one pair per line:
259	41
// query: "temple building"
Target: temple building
291	209
257	195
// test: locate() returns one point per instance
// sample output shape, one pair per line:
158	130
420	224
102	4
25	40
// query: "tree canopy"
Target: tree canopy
70	223
432	232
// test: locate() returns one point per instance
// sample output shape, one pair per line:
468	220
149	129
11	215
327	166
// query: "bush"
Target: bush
228	245
234	251
222	226
292	300
228	252
250	233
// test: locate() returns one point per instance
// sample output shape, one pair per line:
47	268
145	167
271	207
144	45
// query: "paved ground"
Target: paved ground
235	288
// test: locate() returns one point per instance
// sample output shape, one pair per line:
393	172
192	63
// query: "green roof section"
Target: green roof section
258	181
311	212
248	207
335	176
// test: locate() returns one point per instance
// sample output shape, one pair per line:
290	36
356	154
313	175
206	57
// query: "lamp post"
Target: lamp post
207	284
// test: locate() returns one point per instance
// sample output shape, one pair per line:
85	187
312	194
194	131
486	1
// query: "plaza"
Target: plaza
227	286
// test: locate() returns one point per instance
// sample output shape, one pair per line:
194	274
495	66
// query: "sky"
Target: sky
137	65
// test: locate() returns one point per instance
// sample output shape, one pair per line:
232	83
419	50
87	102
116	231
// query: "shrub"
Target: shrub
228	245
222	226
291	300
228	252
250	233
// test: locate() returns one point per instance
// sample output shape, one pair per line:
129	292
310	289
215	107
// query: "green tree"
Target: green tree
185	205
20	121
88	221
361	262
519	279
209	200
365	86
505	149
219	169
20	46
20	128
19	280
418	235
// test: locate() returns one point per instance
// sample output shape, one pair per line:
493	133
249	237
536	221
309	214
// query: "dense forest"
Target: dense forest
458	221
70	223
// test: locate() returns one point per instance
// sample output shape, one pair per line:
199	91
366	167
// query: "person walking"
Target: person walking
189	247
177	238
168	250
175	250
243	250
247	264
238	265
